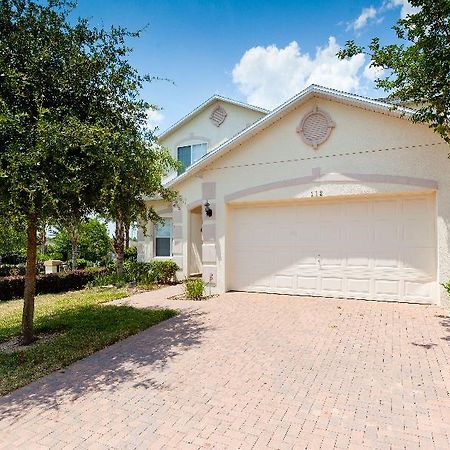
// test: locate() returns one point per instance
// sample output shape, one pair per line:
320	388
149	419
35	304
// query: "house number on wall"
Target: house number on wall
316	193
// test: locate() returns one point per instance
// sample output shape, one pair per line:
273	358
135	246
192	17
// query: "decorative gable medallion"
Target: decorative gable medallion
315	128
218	115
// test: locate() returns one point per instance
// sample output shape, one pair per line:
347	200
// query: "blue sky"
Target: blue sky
255	51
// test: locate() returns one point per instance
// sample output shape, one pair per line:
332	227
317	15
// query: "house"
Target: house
330	194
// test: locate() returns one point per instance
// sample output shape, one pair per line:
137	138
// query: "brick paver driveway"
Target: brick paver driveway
252	371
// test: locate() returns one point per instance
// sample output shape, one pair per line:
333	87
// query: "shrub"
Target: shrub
163	271
194	288
156	271
81	263
130	253
107	279
7	270
13	287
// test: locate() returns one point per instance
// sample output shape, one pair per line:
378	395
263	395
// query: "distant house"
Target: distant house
330	194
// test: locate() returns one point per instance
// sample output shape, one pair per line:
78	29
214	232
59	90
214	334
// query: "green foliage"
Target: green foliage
194	288
447	287
130	253
163	271
94	243
144	274
12	237
110	279
418	69
13	287
82	324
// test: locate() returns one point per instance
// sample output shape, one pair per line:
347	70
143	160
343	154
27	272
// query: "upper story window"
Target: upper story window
163	238
189	154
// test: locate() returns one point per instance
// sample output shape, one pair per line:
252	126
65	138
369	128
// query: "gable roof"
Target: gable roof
205	105
310	92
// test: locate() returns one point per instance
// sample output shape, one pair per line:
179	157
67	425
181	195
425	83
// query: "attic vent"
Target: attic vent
218	115
315	128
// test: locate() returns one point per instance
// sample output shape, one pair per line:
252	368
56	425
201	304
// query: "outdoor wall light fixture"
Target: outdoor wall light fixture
208	210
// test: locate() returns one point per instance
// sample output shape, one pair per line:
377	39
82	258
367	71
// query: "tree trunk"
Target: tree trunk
30	281
43	240
127	235
74	254
74	234
119	244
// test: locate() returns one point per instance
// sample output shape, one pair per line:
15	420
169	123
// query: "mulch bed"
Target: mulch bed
183	297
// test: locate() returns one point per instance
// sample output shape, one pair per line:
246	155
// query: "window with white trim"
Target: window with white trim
163	238
189	154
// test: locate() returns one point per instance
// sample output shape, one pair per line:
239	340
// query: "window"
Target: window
163	238
189	154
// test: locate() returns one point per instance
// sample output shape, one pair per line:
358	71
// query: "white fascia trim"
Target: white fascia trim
312	90
203	106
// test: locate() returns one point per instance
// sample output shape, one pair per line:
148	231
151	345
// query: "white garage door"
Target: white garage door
369	249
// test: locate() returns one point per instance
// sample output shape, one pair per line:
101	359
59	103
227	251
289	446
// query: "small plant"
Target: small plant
194	288
446	286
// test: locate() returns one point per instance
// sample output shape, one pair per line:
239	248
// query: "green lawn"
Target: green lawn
85	326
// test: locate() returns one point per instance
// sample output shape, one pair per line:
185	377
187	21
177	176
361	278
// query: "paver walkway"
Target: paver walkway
251	371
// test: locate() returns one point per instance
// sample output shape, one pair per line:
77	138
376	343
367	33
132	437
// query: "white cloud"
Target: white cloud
267	76
372	73
407	8
372	14
361	21
154	118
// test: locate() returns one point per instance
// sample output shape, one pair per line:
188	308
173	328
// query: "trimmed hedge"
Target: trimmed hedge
52	283
7	270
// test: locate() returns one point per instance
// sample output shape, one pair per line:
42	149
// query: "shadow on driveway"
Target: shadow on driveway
106	369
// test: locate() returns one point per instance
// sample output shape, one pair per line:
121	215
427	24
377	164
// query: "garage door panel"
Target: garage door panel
417	290
385	232
285	282
386	209
358	286
329	233
309	284
358	235
387	287
419	259
358	260
378	249
411	208
331	259
385	260
332	285
417	234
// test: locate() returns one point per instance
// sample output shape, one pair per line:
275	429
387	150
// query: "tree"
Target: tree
138	174
60	86
419	67
94	243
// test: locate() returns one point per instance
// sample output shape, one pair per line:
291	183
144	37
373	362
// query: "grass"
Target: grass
83	326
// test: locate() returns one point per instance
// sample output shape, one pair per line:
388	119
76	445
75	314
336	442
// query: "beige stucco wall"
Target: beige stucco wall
195	257
363	142
200	129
